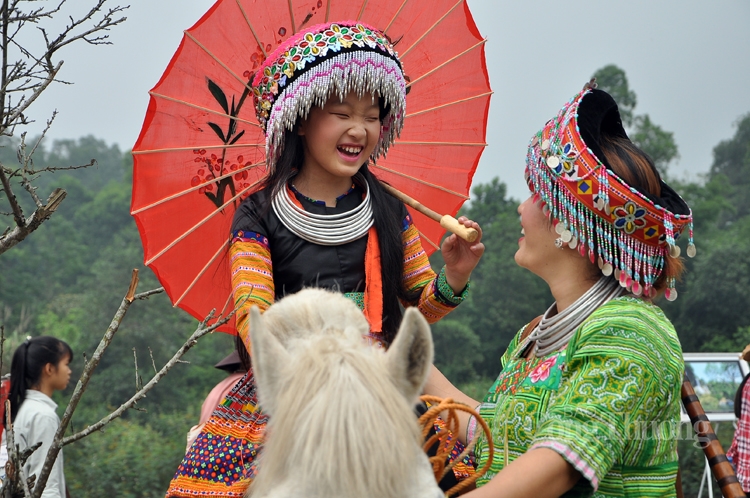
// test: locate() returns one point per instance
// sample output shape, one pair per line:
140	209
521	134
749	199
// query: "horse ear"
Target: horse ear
410	354
268	358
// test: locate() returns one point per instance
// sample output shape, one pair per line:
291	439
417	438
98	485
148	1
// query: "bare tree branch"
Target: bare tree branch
42	214
24	79
138	378
16	461
17	211
81	386
203	329
151	354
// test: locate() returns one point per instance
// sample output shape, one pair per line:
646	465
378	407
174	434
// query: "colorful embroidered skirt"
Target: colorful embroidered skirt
222	461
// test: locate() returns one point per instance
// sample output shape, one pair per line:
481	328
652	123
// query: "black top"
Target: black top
298	263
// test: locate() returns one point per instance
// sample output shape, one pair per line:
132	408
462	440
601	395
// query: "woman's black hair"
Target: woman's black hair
28	362
387	214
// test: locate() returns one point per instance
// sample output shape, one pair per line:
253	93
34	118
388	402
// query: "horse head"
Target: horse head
341	413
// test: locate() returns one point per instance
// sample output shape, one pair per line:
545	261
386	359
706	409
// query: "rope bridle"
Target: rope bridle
447	440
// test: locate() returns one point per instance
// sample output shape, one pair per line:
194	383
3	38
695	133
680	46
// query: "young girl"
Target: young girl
322	219
40	366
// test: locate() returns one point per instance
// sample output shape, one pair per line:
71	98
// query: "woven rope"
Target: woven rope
427	420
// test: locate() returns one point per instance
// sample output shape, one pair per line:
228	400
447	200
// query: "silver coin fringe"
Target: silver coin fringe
360	71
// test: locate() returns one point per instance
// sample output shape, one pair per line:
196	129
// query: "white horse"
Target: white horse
341	413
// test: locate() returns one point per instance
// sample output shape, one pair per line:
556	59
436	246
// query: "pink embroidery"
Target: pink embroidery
542	371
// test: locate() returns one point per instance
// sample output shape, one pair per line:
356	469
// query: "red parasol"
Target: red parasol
201	149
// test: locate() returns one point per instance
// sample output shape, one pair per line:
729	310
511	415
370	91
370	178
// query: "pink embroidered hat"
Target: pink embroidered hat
627	232
324	60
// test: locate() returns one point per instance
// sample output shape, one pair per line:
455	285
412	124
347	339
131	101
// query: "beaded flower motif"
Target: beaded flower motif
629	217
312	46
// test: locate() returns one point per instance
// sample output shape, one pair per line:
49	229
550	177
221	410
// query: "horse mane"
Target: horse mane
340	420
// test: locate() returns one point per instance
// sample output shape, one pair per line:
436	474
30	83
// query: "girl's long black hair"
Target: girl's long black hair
28	362
387	214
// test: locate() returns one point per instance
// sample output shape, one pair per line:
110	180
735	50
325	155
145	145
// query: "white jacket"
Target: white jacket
37	421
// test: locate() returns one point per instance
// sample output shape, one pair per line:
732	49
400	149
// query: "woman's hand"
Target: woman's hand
461	257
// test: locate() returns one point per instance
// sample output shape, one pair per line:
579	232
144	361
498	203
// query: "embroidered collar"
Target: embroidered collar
317	202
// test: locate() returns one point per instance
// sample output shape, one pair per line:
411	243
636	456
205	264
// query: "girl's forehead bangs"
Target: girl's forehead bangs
328	60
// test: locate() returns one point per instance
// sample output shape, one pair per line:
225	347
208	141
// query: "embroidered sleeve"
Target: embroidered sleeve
621	384
436	298
252	277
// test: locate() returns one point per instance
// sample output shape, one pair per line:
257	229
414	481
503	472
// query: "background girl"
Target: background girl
40	366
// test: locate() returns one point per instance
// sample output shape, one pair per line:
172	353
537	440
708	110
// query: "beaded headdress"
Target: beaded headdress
324	60
628	233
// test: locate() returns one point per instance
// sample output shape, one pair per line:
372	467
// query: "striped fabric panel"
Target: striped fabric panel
436	299
739	451
417	270
572	458
252	280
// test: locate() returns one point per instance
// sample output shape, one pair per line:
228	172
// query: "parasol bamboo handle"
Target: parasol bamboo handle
446	221
720	466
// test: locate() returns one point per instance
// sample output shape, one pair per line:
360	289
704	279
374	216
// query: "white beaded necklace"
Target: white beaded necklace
553	332
325	229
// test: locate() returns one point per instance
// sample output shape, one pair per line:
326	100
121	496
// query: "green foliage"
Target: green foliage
732	160
67	280
129	459
457	348
717	290
712	314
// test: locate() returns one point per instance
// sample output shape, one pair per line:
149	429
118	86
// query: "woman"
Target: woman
322	219
40	366
588	397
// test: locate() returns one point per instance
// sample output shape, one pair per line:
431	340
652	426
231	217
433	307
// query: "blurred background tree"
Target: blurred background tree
67	280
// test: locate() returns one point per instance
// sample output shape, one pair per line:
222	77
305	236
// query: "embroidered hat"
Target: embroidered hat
325	60
627	232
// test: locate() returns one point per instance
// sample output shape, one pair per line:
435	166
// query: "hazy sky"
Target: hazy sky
688	61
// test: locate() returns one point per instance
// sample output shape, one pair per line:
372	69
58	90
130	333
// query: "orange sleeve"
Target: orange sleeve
252	278
436	298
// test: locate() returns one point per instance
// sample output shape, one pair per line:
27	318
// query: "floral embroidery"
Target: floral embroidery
536	373
629	217
542	371
512	376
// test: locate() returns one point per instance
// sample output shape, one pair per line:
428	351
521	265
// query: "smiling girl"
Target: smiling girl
322	219
40	366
